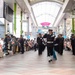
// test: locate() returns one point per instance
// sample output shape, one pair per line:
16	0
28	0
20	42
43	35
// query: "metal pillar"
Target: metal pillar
14	18
5	26
65	27
21	24
72	23
28	28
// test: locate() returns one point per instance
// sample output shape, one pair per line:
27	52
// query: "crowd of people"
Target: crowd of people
11	45
54	43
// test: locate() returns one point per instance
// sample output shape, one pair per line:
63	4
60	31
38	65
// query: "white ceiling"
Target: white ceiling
47	12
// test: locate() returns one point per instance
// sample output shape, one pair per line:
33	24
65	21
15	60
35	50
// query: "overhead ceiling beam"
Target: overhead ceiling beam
70	7
61	14
21	5
37	1
31	12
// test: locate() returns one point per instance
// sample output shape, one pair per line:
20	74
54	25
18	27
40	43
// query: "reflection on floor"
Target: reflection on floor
32	64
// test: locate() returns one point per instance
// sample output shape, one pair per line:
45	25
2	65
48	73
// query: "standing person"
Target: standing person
56	44
21	41
39	42
35	44
13	43
73	43
60	44
50	40
6	44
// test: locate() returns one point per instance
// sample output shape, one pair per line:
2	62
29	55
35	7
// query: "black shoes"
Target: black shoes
50	60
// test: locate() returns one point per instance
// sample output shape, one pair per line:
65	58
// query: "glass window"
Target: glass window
46	12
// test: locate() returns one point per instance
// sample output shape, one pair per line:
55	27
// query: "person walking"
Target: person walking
50	44
40	45
6	45
60	44
73	43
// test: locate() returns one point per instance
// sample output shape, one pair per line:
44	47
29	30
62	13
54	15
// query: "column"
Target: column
21	25
63	0
28	36
72	23
14	18
65	27
5	26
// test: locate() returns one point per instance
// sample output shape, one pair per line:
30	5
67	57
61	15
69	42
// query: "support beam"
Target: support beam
21	24
14	18
65	27
28	34
73	25
38	1
61	14
28	25
30	11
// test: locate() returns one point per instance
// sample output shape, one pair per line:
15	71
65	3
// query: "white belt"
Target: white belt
49	42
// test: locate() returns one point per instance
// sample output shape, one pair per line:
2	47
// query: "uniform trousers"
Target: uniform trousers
49	49
73	49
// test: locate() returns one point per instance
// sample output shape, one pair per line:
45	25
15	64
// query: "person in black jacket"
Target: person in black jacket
73	43
21	41
50	44
59	44
56	42
39	42
6	44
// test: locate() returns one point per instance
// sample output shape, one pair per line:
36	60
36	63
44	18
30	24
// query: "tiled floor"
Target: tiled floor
32	64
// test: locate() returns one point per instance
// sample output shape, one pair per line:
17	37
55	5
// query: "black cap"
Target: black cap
5	34
39	33
50	30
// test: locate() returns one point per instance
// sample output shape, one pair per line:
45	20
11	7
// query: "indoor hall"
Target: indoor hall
23	22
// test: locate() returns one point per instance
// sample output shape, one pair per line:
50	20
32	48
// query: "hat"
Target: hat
5	34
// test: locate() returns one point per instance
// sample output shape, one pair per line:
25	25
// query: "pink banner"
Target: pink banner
45	23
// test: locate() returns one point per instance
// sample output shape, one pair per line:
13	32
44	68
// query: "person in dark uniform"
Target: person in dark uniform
39	42
56	42
50	40
21	41
73	43
6	44
35	44
60	44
